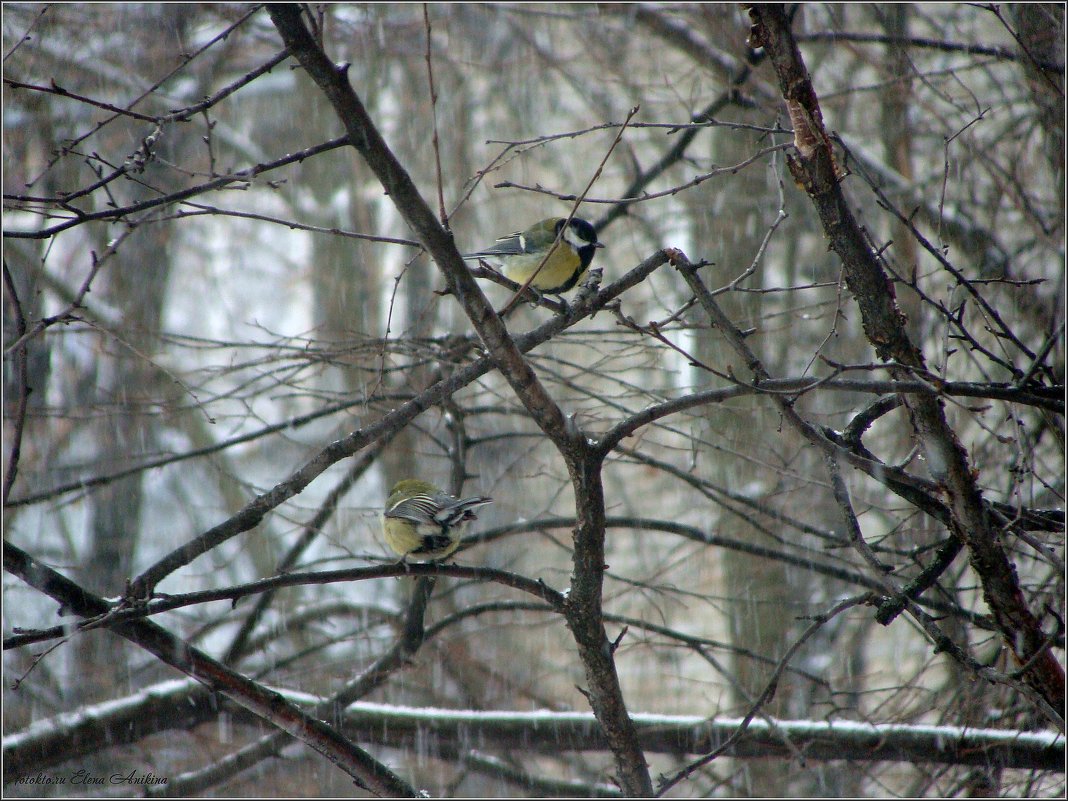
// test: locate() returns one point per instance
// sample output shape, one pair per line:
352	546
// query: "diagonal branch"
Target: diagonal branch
583	461
368	772
815	170
398	184
917	492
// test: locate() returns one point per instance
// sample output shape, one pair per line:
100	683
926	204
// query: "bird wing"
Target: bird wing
417	508
510	245
440	510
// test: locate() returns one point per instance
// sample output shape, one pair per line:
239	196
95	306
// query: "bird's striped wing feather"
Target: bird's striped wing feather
442	511
418	509
511	245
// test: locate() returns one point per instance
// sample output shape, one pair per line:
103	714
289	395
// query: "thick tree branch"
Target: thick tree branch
915	490
162	707
365	137
583	463
814	169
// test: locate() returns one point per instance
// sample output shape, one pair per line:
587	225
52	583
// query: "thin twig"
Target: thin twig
22	376
696	181
67	315
434	116
151	90
818	622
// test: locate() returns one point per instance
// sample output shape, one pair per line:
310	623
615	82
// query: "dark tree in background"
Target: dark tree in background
778	493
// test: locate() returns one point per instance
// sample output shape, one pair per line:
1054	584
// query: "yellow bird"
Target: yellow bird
518	255
424	522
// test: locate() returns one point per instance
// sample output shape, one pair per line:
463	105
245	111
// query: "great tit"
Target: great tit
422	521
518	255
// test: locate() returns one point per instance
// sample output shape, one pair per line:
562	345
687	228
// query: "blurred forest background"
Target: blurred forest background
205	286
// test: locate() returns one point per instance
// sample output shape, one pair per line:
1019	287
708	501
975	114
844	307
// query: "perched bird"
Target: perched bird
424	522
518	255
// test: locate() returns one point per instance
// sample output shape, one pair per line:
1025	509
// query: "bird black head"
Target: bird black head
581	233
582	236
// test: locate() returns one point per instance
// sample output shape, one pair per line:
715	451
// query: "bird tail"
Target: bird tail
462	511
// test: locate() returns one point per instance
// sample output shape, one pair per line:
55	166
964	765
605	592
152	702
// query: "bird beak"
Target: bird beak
598	244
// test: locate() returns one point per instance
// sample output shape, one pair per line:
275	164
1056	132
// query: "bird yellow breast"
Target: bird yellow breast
558	269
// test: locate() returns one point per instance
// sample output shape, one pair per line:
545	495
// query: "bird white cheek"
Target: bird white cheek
574	241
